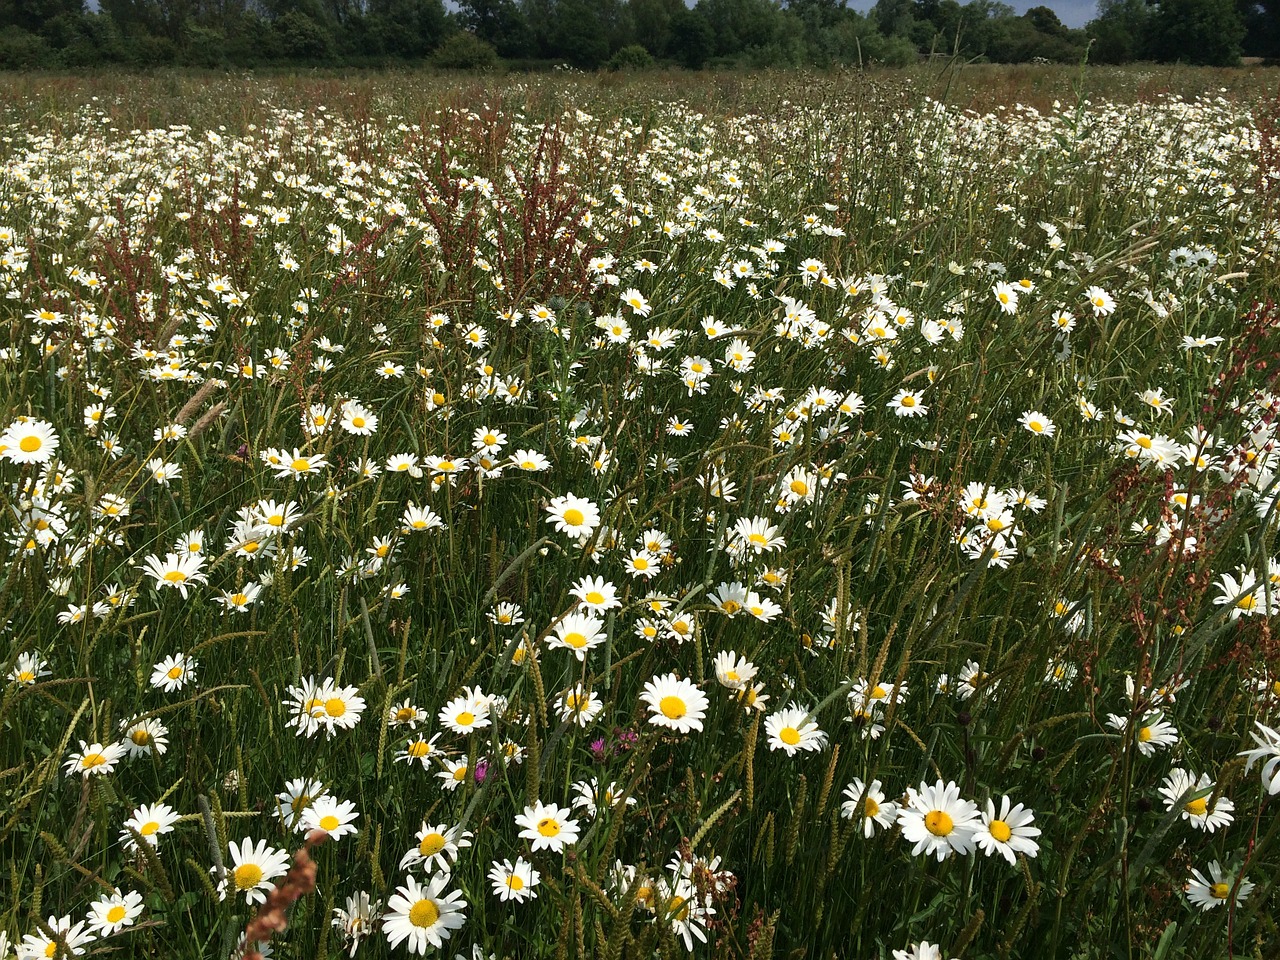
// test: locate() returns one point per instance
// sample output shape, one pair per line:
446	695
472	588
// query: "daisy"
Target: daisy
336	818
150	821
636	301
548	826
596	594
732	671
252	870
938	822
75	936
114	911
1007	296
465	714
423	915
1153	732
792	729
1268	749
642	563
454	773
295	465
419	750
531	461
336	708
358	420
144	737
238	601
674	703
178	572
758	535
94	759
1036	422
908	403
1102	302
869	802
356	920
579	705
406	714
296	799
924	950
28	441
1008	833
28	669
437	847
578	632
514	881
1215	889
574	516
1180	785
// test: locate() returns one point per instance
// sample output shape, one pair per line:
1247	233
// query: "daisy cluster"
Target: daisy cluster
576	517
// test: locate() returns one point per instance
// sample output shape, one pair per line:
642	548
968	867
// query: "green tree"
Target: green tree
1121	32
692	39
1207	32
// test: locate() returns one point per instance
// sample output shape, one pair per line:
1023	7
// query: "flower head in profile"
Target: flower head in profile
1267	750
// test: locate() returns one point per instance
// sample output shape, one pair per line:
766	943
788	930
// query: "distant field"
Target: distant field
761	515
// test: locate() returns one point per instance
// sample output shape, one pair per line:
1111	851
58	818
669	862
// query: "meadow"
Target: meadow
797	516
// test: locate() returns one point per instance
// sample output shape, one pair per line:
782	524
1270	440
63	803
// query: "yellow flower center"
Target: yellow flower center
301	465
1144	735
175	576
116	914
1247	602
52	949
29	444
91	761
26	676
460	773
329	823
939	823
908	401
141	737
574	517
1198	808
405	714
335	706
247	876
150	828
1219	891
358	422
1144	443
424	913
870	808
1000	830
731	607
575	640
173	673
549	827
673	708
515	883
418	749
789	735
466	718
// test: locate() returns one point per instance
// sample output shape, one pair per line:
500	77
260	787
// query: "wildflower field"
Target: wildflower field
777	516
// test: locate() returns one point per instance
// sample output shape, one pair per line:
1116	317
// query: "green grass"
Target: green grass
123	205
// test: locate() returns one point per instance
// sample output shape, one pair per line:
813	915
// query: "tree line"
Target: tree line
620	34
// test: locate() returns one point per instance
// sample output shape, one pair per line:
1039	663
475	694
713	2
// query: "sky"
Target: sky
1073	13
